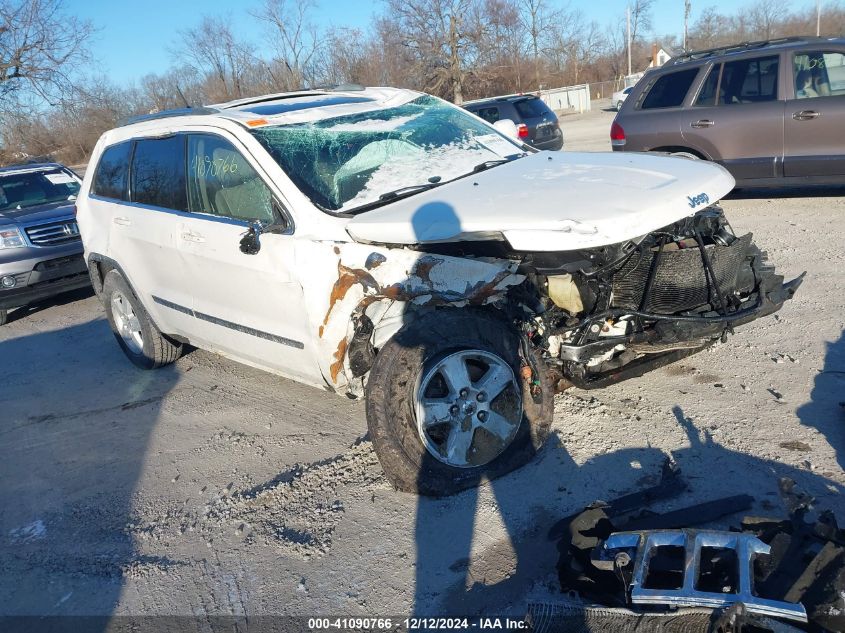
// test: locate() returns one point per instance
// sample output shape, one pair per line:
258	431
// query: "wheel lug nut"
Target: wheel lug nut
481	397
464	392
482	416
454	409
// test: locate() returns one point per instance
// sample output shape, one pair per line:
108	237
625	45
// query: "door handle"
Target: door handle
193	237
805	115
123	221
702	123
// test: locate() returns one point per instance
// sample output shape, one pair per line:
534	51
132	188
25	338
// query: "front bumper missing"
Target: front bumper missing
674	336
632	555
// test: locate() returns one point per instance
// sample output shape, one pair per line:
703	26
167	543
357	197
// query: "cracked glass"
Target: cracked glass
348	161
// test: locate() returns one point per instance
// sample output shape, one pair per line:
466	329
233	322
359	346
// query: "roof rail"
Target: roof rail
741	46
166	114
315	92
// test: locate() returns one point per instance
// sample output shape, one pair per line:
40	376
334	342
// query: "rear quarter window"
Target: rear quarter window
112	172
669	90
531	108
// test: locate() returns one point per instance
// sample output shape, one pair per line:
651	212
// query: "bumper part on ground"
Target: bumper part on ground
692	552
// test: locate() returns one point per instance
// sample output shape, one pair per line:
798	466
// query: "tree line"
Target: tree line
457	49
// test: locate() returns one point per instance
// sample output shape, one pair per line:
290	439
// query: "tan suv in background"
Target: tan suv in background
771	112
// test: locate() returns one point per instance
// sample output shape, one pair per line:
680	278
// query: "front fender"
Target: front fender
351	277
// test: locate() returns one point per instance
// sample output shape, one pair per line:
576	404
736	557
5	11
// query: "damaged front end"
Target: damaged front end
615	312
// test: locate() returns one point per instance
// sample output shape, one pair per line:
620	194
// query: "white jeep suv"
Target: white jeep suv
383	242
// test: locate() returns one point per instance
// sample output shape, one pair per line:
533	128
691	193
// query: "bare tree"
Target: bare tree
441	39
574	46
537	20
40	47
766	18
640	18
211	48
296	40
502	49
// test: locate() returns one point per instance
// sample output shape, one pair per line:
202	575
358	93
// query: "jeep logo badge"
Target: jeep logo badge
701	198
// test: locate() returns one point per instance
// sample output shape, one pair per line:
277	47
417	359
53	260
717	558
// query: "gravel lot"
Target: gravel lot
212	488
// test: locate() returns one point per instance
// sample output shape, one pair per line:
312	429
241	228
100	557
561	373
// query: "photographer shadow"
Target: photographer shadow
462	570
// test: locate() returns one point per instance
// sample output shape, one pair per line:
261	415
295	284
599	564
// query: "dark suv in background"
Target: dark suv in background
40	246
536	124
771	112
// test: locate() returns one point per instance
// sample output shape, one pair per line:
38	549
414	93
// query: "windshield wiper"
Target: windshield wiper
487	164
396	194
410	189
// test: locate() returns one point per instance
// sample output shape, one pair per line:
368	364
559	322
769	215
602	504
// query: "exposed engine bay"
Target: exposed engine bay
614	312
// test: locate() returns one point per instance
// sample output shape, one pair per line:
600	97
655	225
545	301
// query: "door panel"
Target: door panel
815	117
143	240
247	306
738	118
143	231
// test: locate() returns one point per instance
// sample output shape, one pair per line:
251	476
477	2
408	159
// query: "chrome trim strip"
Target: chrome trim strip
228	324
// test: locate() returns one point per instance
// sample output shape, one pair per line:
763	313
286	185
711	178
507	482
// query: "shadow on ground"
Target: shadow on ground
826	409
17	314
67	550
457	574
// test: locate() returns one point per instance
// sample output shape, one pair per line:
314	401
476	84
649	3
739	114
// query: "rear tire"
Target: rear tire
4	317
137	335
481	343
618	106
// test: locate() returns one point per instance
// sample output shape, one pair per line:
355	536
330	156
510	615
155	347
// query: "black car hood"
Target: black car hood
27	215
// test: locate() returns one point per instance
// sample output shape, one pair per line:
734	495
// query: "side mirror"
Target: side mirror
508	128
251	240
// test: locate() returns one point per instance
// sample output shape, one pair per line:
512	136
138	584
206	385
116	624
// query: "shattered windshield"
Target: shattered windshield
349	161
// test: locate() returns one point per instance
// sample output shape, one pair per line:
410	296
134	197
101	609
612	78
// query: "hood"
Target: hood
42	212
552	201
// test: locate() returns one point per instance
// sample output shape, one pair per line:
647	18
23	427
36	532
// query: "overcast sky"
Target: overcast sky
135	38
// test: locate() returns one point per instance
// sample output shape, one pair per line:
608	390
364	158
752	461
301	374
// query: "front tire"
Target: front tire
137	335
452	400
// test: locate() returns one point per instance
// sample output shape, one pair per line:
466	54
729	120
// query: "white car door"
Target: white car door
248	306
143	226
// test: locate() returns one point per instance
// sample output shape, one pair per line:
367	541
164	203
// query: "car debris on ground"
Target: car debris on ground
625	568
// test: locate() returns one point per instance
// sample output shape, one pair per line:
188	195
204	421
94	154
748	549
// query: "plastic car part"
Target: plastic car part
668	564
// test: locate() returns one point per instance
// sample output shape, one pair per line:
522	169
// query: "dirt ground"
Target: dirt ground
212	488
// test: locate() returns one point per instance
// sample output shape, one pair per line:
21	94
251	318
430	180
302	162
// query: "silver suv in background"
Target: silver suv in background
771	112
40	246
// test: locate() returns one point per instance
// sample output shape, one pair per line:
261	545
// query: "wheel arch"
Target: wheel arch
369	292
673	149
99	266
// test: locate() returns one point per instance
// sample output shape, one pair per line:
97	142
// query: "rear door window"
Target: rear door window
222	182
749	81
158	173
670	90
112	172
819	74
